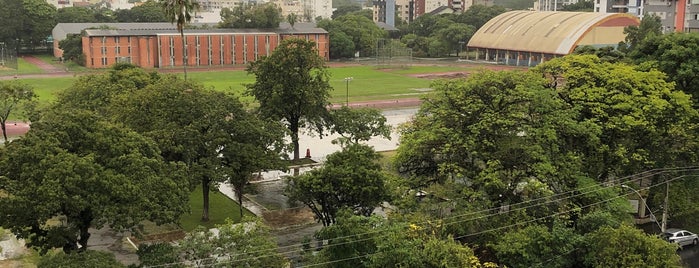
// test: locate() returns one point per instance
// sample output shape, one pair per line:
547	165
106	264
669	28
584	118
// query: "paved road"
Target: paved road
690	256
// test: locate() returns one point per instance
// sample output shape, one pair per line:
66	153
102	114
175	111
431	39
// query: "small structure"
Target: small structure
527	38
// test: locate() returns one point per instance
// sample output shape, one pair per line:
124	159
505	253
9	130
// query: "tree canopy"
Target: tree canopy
261	16
15	97
73	171
349	179
292	86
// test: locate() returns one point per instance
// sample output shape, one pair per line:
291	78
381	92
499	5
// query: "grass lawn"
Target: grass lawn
23	68
220	208
368	83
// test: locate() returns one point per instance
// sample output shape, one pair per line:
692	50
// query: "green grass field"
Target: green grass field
368	83
220	208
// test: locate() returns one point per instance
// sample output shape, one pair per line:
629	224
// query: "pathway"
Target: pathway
46	67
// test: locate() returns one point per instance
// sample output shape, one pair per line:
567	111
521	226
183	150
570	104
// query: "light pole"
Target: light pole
2	53
347	80
645	206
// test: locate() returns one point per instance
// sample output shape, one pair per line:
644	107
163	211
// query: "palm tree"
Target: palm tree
180	12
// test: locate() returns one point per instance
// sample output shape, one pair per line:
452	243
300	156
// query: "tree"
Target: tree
292	86
674	54
36	20
349	179
341	45
14	96
478	15
292	18
626	246
537	246
189	123
157	254
358	124
149	11
89	258
363	32
72	48
456	36
623	106
75	15
635	35
180	13
375	242
249	145
246	244
582	6
245	16
73	171
344	10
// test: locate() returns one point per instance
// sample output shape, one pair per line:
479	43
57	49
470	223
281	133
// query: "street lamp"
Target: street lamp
347	80
646	206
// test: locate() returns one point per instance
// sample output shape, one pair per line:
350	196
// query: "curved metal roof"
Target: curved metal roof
551	32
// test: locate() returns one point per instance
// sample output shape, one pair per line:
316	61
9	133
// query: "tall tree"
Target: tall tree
75	15
265	16
626	246
180	12
187	121
72	48
675	54
74	171
245	244
650	26
456	36
249	145
149	11
478	15
292	86
359	124
350	179
13	96
36	20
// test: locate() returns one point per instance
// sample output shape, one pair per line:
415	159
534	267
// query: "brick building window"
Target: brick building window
256	46
172	51
117	49
220	51
104	50
209	49
198	51
104	61
233	49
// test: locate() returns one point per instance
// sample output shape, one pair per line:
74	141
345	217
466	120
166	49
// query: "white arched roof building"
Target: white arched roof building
531	37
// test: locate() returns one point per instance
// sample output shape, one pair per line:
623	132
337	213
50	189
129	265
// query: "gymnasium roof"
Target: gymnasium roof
552	32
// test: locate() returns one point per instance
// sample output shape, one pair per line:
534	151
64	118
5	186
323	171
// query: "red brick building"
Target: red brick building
204	47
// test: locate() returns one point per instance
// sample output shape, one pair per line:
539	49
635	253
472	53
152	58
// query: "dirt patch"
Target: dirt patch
447	75
279	219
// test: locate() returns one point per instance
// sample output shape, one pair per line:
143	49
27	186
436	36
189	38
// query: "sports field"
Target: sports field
367	83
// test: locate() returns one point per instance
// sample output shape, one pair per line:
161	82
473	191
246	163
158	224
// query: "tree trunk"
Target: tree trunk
84	226
205	194
294	128
184	57
4	130
239	193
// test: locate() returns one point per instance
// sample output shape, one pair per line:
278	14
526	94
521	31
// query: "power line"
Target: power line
613	183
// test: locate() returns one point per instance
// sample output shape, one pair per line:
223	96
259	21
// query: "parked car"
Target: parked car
681	237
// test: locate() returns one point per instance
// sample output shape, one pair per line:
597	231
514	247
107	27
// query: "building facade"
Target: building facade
213	47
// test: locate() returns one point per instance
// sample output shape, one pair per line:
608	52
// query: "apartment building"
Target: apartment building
675	15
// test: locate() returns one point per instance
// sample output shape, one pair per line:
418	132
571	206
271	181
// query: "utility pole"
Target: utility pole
665	208
347	80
